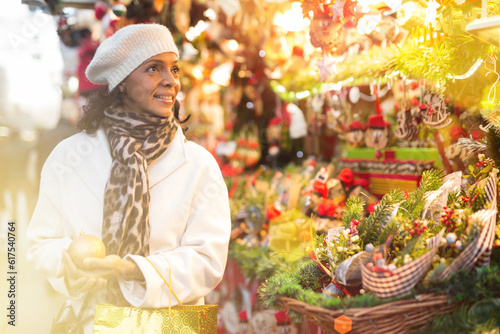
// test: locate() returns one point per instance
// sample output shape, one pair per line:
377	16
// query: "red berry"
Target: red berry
412	232
450	229
478	164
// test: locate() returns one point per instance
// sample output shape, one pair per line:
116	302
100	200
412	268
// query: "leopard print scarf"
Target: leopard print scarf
137	140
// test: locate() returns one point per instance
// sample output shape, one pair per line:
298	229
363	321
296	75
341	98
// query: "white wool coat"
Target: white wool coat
189	218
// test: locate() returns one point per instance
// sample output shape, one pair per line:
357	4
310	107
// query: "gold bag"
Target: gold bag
180	319
185	319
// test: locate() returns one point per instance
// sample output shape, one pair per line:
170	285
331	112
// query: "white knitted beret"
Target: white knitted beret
123	52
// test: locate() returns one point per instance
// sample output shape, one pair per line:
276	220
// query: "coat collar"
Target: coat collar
95	167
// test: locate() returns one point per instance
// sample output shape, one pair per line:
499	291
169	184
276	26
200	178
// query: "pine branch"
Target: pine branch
370	229
390	229
473	147
431	180
354	210
493	145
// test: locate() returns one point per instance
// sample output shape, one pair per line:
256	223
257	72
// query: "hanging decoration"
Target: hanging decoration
350	9
435	112
338	10
325	33
408	123
377	134
326	68
355	133
455	154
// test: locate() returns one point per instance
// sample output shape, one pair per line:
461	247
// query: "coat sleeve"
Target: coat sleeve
197	265
45	232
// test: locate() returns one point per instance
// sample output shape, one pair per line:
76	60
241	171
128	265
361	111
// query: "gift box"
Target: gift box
188	319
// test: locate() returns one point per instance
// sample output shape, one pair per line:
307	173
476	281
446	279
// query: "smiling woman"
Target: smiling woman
153	86
153	197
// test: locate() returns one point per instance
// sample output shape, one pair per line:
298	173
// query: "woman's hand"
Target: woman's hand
79	280
96	272
115	266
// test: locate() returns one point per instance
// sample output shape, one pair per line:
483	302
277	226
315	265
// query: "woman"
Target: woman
131	178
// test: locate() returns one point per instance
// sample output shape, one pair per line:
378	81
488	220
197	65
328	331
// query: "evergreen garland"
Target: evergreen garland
354	210
304	284
431	180
492	137
482	317
369	230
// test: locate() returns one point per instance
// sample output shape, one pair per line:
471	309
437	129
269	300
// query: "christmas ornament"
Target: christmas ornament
407	124
326	68
354	95
86	245
324	32
454	152
338	9
336	191
377	134
298	126
350	9
436	115
119	9
355	133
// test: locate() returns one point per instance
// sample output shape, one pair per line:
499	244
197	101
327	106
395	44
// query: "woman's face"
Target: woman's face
154	85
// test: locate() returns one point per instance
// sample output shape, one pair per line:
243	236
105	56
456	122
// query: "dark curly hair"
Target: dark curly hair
100	101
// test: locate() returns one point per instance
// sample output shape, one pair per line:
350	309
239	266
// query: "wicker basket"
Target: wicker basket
399	316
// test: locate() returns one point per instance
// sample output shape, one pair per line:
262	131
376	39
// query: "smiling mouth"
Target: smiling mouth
165	98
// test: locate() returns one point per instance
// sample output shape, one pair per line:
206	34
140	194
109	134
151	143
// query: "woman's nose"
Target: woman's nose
168	79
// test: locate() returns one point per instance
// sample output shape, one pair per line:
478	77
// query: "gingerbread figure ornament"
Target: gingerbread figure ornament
355	133
325	32
378	134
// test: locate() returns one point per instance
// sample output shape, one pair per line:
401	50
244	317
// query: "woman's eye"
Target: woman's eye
176	70
152	69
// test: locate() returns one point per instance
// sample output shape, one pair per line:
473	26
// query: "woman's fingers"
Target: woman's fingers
84	284
107	266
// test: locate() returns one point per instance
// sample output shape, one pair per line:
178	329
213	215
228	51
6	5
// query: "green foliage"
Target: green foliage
431	180
354	209
259	262
390	229
492	138
481	283
482	317
304	284
369	230
306	281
